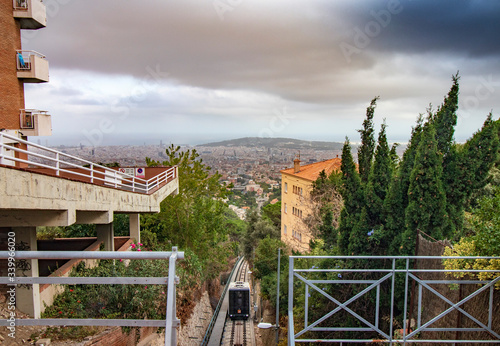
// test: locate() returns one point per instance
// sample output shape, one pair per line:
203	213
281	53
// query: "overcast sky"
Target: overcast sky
185	71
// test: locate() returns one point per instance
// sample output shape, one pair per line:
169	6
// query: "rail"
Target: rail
171	323
84	170
20	4
23	58
27	117
322	285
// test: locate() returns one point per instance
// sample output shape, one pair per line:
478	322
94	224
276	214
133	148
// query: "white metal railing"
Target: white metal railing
23	58
60	162
323	285
27	117
171	323
20	4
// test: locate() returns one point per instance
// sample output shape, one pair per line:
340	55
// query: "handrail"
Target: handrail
171	323
96	172
30	53
20	4
26	117
23	58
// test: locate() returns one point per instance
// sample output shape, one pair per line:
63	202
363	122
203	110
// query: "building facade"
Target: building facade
18	66
296	187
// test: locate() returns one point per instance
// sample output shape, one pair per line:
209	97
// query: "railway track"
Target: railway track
239	333
242	273
225	331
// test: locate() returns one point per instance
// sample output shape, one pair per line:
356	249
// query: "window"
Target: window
297	212
284	229
297	190
286	187
286	209
297	235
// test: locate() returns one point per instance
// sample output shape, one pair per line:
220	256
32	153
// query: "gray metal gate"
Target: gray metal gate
399	266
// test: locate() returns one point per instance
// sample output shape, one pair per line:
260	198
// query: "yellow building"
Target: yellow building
296	186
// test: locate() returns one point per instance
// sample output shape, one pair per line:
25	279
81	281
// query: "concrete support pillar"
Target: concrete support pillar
135	227
27	298
106	234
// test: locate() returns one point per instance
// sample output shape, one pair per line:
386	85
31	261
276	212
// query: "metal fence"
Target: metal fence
398	277
171	323
59	162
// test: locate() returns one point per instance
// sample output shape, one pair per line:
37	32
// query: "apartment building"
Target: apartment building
17	67
296	187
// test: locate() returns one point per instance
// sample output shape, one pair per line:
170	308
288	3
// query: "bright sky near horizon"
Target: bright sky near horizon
191	72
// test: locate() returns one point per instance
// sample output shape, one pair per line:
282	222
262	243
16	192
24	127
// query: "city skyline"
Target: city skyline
192	73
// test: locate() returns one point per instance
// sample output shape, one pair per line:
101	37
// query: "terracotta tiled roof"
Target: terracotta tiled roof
312	171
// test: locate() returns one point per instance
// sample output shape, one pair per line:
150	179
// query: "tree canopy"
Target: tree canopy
387	201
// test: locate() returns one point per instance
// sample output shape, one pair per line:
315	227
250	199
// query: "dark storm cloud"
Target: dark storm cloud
276	49
279	49
469	28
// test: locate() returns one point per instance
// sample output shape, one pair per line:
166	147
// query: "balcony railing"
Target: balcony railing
52	162
27	117
34	122
20	5
32	66
32	14
24	58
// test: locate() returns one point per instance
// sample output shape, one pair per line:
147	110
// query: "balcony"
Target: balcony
32	66
34	122
30	13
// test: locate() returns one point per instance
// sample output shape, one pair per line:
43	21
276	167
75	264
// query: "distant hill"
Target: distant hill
276	143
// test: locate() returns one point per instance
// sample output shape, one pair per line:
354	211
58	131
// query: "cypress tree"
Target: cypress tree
467	169
408	161
445	119
380	179
352	195
396	200
394	156
444	122
367	147
327	231
358	239
426	209
455	193
478	156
